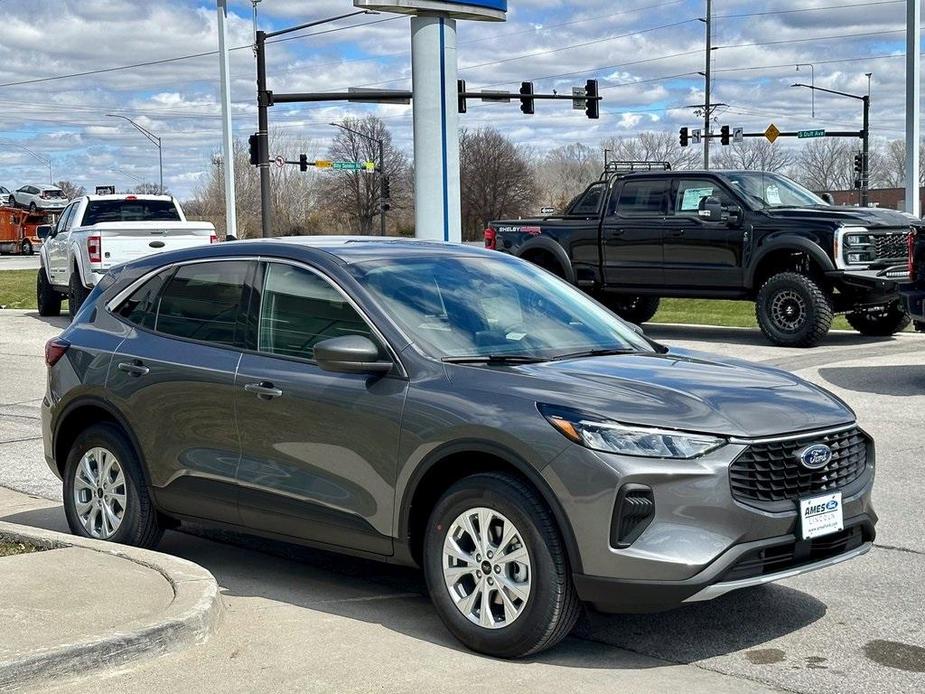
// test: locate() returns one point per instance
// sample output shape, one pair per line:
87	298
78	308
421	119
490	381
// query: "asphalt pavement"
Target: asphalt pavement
304	619
19	262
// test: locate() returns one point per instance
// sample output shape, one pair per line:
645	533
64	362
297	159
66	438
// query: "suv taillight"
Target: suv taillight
55	349
912	239
491	239
95	249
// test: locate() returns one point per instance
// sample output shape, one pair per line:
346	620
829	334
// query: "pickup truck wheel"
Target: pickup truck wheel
880	322
496	567
77	293
793	311
48	300
635	309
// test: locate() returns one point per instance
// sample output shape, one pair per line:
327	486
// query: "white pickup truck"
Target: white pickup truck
97	232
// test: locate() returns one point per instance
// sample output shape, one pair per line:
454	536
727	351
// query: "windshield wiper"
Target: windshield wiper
501	359
603	352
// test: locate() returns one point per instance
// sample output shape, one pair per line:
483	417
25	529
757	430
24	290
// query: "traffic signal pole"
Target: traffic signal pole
263	138
865	153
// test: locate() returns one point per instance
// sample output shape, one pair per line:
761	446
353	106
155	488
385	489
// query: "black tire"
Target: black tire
139	526
77	293
880	323
793	311
635	309
552	607
919	326
32	208
26	247
48	300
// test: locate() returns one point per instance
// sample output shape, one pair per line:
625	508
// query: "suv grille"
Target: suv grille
771	472
891	246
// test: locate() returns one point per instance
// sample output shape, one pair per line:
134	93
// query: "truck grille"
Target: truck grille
891	246
772	472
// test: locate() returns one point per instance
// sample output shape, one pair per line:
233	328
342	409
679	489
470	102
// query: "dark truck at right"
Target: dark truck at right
913	292
643	232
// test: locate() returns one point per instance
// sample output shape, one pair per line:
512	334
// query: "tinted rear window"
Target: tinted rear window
130	211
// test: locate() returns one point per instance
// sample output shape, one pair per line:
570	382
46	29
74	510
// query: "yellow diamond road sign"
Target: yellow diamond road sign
323	164
772	132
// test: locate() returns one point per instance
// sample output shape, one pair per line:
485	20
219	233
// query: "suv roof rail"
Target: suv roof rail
615	168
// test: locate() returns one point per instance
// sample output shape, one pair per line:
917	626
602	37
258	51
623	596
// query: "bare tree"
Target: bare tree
149	189
826	164
352	197
756	155
893	164
71	190
565	172
653	146
497	180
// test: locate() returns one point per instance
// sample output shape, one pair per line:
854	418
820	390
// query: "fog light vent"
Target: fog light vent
634	510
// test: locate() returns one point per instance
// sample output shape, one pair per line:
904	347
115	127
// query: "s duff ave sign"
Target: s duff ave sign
434	75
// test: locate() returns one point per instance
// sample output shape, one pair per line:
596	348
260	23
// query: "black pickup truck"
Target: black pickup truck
644	231
913	293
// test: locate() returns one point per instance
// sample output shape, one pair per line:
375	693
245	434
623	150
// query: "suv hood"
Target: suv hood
687	390
856	216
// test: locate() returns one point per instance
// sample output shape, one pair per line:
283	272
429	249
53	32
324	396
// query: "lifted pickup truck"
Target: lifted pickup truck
643	232
97	232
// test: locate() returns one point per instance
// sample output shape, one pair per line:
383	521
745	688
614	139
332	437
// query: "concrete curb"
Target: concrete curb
194	614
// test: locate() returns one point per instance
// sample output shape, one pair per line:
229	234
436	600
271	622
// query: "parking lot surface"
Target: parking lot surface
19	262
303	619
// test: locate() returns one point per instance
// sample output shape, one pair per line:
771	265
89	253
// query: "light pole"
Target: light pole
154	139
378	141
865	132
812	79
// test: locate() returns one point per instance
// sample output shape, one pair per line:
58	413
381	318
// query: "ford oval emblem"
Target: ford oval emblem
816	456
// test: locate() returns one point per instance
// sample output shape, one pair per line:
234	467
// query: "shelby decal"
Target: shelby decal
523	230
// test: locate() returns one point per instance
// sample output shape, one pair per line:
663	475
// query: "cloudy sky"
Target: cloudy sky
645	53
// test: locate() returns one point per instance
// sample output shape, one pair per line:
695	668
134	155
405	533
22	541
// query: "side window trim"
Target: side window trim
373	328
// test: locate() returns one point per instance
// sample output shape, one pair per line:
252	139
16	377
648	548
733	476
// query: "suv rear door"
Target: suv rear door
631	232
698	252
319	449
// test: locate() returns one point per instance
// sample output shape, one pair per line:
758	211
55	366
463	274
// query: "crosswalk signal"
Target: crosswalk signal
527	102
724	135
685	137
592	93
254	144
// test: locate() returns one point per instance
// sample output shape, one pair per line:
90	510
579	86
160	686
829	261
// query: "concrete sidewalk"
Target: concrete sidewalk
82	604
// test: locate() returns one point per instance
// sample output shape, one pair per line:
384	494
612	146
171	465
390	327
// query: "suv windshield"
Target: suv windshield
130	211
486	307
772	190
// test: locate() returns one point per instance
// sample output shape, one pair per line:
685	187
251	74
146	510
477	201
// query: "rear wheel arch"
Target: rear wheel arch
448	465
549	255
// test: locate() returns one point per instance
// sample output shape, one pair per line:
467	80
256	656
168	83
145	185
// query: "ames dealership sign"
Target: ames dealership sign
470	9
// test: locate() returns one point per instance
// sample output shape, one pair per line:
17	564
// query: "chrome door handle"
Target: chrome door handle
134	368
263	390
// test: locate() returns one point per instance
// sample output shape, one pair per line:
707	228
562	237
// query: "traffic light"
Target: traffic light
685	137
385	195
303	162
594	106
461	95
724	135
527	102
254	144
858	163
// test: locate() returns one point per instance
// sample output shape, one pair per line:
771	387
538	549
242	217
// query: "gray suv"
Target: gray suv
450	408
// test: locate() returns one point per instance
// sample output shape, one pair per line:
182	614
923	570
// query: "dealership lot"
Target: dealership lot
857	627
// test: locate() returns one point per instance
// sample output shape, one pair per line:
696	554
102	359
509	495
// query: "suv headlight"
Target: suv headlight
608	436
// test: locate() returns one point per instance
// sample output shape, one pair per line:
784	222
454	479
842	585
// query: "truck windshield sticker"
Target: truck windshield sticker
772	195
692	197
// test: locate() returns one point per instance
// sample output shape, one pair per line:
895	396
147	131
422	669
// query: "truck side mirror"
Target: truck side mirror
828	198
43	231
734	215
710	209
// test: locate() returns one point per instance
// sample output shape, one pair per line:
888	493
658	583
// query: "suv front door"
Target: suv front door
319	449
631	233
698	252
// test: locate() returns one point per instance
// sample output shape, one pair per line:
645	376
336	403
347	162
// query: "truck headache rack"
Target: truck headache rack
625	167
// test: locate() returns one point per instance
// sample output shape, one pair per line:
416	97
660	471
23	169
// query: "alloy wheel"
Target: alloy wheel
788	310
100	493
486	568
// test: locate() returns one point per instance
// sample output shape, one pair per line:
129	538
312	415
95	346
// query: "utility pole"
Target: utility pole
913	69
707	110
231	219
381	146
154	139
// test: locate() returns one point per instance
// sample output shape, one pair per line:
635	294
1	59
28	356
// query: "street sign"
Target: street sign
369	167
548	210
324	164
810	133
351	165
695	136
496	95
579	102
280	161
738	134
105	190
772	133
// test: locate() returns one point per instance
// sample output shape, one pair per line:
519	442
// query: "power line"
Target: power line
809	9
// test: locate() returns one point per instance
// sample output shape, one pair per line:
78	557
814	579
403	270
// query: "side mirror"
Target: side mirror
734	215
43	231
351	354
828	198
711	209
